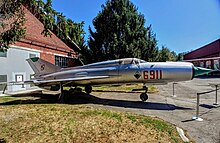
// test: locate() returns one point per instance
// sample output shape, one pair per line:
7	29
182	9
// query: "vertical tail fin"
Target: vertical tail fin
41	67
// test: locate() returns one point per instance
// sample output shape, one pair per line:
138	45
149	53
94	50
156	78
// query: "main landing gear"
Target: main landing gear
61	97
88	89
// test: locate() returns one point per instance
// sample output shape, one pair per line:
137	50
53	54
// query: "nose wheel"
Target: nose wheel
143	97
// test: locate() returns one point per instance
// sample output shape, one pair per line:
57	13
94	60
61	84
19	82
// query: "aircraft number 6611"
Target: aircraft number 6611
153	74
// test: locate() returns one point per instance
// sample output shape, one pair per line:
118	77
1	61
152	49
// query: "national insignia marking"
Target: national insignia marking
42	67
137	75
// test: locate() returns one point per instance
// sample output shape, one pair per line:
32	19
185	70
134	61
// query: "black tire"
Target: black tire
88	89
143	97
71	90
75	90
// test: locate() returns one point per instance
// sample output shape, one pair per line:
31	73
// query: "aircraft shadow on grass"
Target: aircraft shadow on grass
83	98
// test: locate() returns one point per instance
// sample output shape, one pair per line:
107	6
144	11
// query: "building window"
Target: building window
208	64
196	63
202	64
3	54
3	82
61	61
216	64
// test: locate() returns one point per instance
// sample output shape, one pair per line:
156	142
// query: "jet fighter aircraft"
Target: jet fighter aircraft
120	71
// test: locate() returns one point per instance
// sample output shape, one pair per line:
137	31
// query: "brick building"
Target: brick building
207	56
13	62
49	47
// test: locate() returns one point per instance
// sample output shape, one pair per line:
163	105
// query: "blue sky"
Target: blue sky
181	25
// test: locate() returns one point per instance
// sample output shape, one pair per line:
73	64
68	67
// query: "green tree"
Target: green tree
10	10
119	32
150	52
166	55
180	56
11	22
173	56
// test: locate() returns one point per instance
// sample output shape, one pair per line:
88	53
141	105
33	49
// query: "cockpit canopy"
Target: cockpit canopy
117	62
131	61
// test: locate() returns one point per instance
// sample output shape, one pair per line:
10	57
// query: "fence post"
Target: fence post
216	95
173	89
197	110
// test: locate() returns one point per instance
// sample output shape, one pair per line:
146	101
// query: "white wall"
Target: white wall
15	64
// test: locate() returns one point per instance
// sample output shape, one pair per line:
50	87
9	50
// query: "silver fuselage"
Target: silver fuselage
130	70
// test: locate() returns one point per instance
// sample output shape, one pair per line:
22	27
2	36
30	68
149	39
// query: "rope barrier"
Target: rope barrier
198	99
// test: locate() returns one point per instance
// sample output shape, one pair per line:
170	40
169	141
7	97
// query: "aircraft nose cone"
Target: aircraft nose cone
201	71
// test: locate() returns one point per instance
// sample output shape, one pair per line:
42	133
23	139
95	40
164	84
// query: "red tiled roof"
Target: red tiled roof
33	33
211	49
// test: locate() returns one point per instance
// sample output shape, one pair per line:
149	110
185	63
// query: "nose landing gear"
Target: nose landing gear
144	95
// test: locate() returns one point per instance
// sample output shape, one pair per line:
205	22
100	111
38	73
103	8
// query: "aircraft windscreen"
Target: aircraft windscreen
131	61
127	61
142	61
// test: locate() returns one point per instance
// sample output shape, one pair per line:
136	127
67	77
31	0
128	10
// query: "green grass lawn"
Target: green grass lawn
22	122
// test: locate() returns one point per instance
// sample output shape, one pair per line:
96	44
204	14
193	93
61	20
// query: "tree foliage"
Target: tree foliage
150	51
120	30
12	10
120	33
180	56
11	22
166	55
